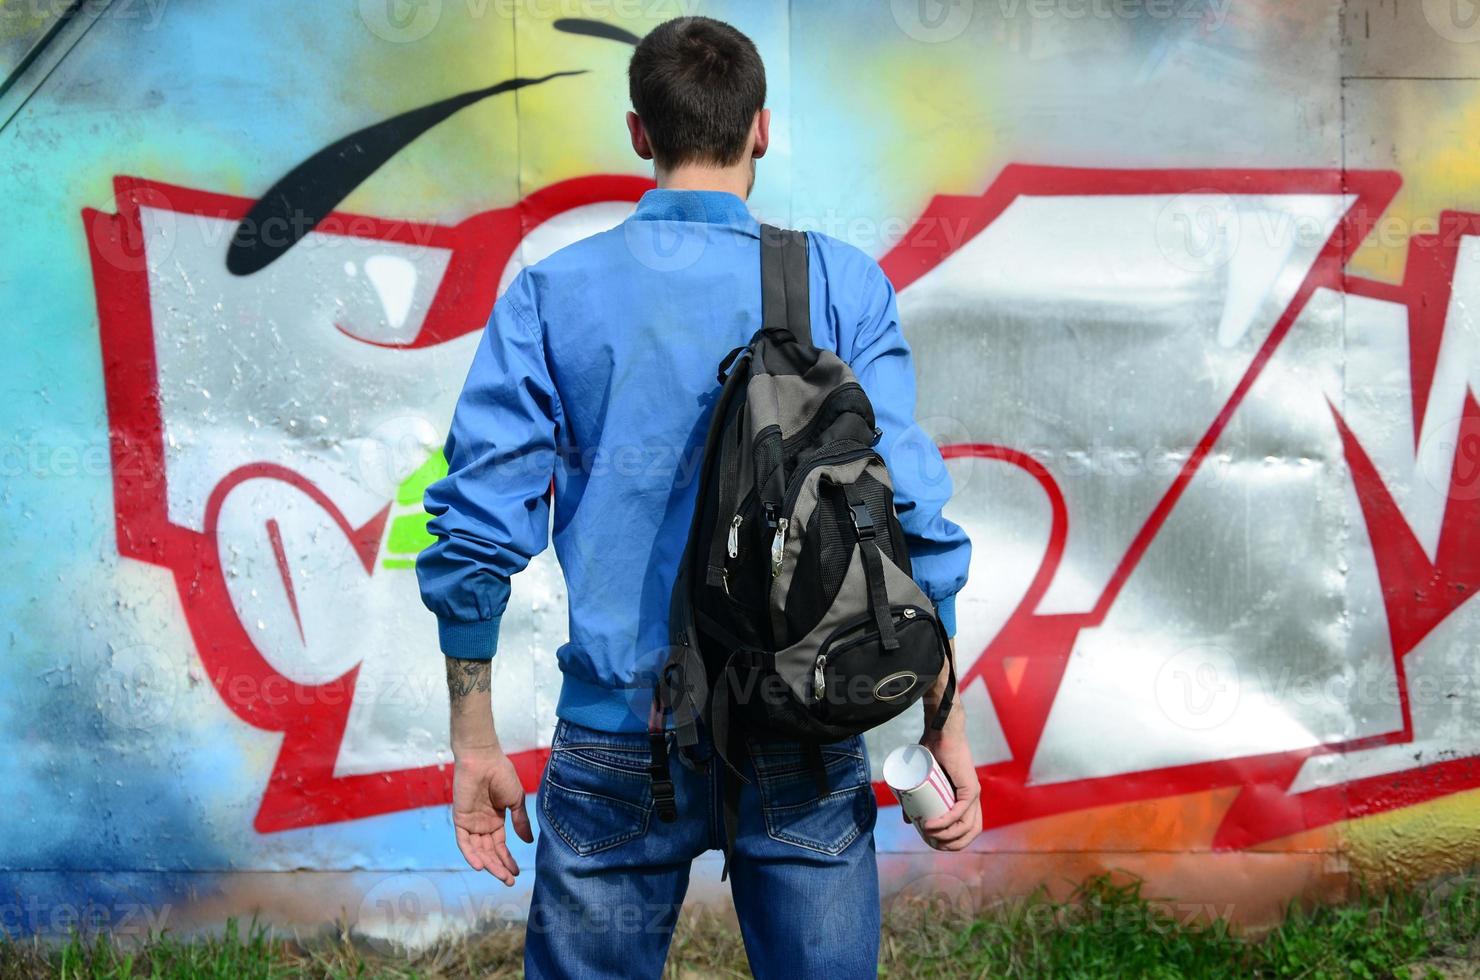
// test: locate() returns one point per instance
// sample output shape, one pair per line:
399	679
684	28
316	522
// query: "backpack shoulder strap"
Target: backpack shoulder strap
785	291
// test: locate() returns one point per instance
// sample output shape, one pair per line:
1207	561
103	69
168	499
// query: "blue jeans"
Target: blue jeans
610	876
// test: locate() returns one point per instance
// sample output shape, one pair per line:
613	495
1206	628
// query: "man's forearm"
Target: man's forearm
469	683
956	720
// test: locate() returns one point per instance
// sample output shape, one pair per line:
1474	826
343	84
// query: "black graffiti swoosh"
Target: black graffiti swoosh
595	28
306	195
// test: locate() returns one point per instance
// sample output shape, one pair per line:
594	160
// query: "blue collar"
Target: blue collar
709	207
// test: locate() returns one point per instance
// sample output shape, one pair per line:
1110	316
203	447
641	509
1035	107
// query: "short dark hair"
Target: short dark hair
696	84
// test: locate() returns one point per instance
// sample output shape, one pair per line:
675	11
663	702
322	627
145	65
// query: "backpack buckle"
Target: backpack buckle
664	799
863	522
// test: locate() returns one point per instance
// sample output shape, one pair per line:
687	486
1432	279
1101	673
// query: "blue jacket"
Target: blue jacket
597	370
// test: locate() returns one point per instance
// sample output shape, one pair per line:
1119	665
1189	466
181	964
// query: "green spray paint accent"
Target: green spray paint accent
408	531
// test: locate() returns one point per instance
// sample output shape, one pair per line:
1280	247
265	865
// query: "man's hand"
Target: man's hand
962	823
484	781
484	785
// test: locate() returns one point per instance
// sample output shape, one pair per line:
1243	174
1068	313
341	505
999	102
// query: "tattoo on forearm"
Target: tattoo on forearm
467	676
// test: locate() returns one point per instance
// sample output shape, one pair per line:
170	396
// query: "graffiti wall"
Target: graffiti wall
1191	286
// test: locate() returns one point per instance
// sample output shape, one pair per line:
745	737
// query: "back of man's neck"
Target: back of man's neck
731	180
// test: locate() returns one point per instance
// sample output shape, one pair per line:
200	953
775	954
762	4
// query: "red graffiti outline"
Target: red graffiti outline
303	790
1264	810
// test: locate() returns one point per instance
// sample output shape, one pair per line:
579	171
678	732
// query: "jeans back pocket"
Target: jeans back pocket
794	813
596	791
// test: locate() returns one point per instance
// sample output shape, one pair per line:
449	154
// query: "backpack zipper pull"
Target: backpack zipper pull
819	682
778	546
734	538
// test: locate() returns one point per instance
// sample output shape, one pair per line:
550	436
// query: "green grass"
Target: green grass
1107	929
1110	929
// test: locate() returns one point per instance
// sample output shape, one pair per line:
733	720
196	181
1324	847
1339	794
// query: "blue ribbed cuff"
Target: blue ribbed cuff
468	641
945	611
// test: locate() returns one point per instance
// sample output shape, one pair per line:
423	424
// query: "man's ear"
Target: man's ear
640	144
762	133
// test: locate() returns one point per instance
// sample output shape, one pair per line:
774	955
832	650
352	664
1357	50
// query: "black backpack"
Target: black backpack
794	613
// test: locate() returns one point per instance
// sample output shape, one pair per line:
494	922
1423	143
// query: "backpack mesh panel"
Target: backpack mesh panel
834	541
827	549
